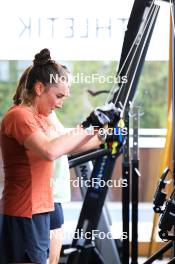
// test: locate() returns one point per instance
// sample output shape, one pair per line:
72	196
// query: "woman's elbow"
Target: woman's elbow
51	155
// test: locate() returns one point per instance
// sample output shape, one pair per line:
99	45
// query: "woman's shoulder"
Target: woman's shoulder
17	112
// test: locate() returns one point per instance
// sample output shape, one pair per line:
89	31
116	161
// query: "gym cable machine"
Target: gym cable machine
83	165
136	41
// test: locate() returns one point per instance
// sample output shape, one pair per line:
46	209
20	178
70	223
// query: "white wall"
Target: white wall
70	29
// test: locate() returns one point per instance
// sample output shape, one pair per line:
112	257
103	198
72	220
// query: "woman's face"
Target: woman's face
52	98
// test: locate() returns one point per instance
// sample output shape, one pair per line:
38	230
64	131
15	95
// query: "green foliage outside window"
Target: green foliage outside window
152	94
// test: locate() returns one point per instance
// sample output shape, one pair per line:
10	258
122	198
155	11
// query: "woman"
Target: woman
61	179
28	153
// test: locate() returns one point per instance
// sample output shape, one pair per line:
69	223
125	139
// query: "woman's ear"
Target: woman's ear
39	88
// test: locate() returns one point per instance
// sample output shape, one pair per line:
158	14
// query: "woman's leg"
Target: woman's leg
56	237
25	240
56	233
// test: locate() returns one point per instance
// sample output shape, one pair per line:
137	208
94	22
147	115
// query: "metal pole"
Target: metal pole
135	186
126	194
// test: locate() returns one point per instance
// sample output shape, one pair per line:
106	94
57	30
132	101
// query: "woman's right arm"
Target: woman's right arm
24	129
53	149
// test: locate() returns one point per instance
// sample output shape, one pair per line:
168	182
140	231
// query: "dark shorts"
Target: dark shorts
56	217
24	240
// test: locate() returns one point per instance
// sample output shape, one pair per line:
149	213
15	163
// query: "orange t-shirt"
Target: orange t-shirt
27	188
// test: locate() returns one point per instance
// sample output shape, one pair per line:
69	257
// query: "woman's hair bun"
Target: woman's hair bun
42	58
